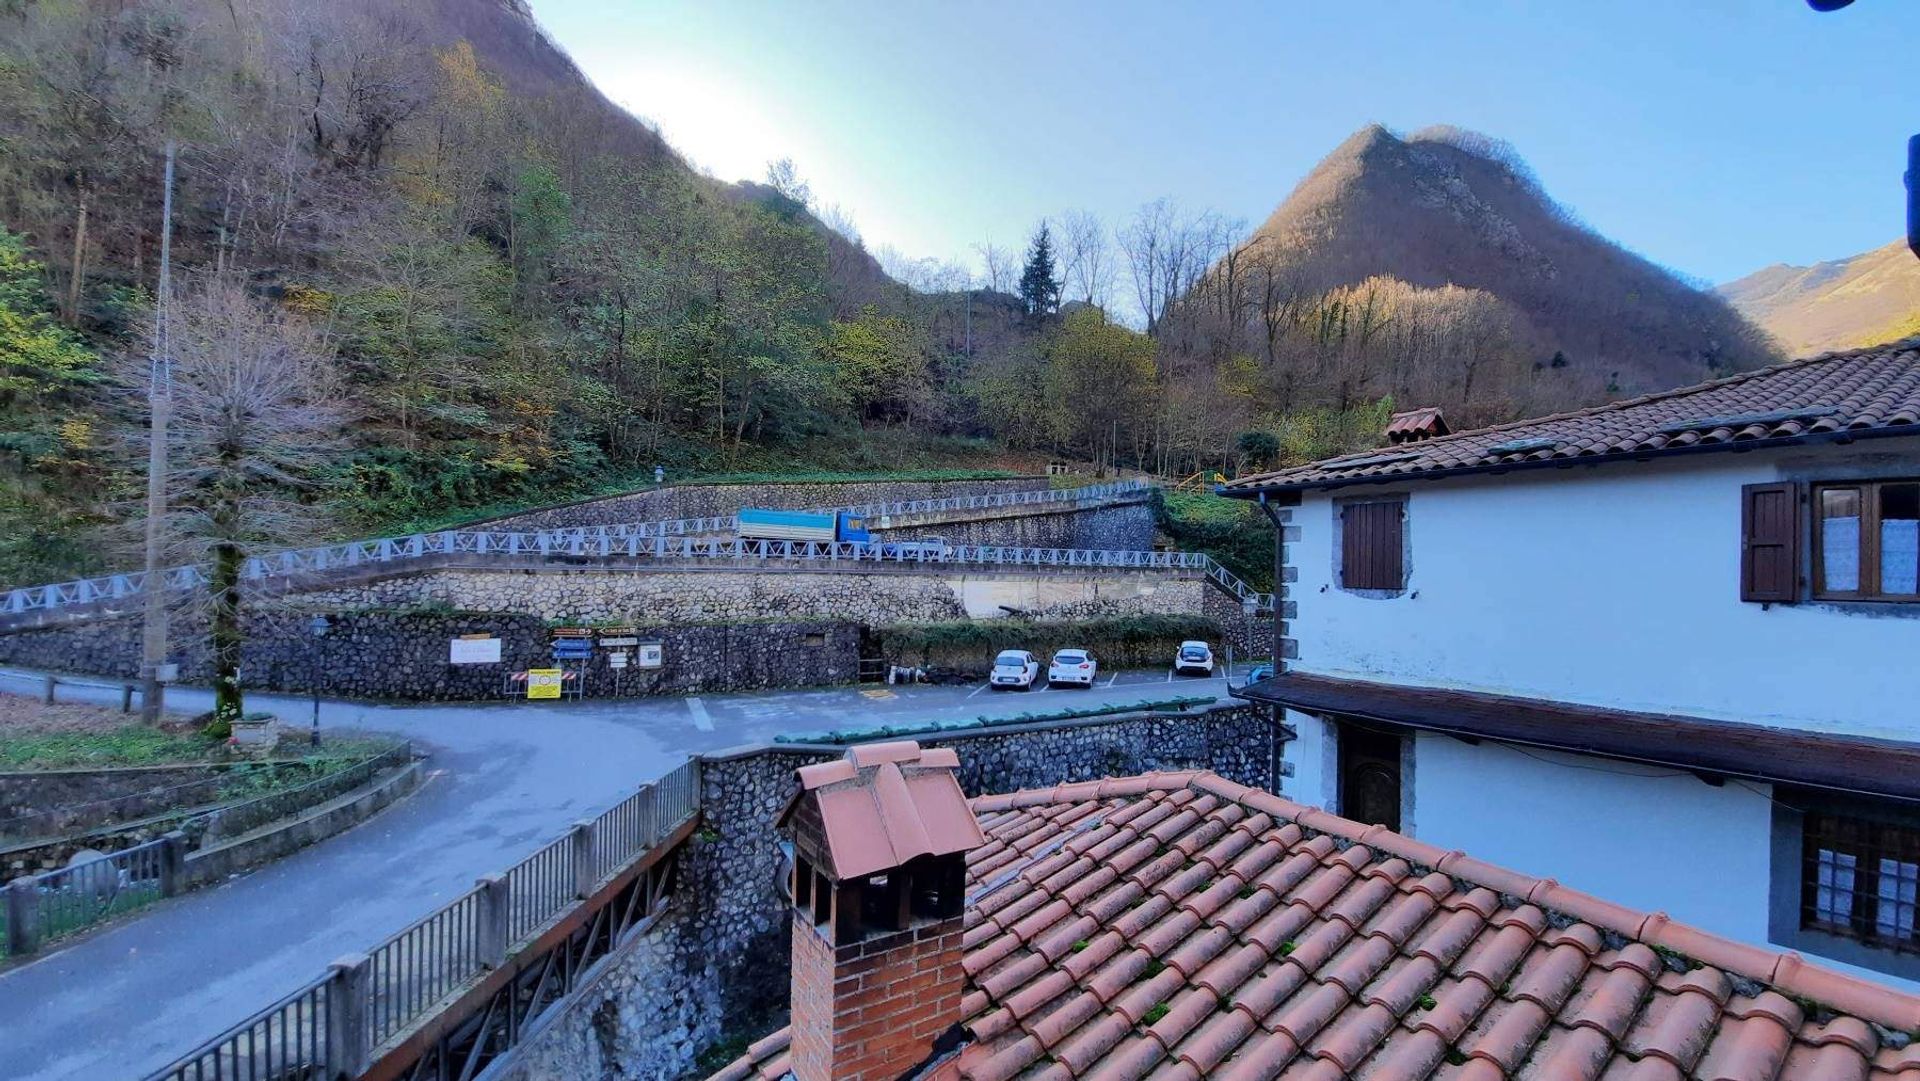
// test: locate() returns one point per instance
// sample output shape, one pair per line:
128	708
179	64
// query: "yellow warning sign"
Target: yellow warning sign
543	682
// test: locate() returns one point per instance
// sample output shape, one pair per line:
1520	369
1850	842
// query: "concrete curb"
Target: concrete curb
271	842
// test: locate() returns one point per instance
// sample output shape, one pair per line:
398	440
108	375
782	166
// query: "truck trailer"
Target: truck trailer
800	525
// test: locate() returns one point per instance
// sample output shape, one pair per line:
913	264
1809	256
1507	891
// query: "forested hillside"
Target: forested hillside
524	289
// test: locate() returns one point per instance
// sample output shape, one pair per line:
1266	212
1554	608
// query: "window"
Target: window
1867	541
1846	880
1372	548
1860	879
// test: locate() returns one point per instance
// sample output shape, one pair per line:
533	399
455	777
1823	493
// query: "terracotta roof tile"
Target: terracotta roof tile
886	803
1865	392
1283	942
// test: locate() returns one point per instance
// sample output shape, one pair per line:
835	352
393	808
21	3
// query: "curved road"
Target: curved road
504	779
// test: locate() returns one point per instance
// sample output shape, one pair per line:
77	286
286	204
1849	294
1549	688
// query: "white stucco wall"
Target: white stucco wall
1614	585
1656	839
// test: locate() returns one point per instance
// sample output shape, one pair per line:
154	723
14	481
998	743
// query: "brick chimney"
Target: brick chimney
880	839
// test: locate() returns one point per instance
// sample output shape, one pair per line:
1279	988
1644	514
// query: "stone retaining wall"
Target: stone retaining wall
403	655
715	967
708	500
902	595
57	802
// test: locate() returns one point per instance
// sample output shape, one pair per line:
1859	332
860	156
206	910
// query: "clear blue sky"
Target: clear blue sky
1714	136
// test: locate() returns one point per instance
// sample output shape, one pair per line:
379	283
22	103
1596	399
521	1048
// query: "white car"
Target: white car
1193	658
1014	668
1072	666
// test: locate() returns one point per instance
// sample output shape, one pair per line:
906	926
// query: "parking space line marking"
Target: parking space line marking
1112	678
980	688
700	718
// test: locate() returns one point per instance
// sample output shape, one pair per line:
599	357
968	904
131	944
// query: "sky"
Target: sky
1712	136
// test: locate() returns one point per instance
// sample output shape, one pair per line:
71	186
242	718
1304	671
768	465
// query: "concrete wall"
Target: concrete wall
1614	586
707	500
401	655
1127	527
715	967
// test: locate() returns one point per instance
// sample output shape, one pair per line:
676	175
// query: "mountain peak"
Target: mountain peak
1450	206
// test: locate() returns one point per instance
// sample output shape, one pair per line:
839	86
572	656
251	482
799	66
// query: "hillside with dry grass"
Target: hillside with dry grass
1861	300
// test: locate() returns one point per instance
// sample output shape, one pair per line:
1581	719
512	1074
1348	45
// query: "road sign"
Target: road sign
620	642
617	659
572	649
543	682
473	651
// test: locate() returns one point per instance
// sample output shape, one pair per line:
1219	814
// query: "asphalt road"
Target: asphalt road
504	779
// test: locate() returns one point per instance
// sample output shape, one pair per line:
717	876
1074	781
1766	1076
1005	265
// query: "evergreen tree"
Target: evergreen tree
1039	288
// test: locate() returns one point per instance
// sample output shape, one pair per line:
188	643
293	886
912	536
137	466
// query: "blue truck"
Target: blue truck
801	525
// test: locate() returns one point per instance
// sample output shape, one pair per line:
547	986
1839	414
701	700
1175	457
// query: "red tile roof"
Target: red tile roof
1857	394
887	803
1182	926
1423	423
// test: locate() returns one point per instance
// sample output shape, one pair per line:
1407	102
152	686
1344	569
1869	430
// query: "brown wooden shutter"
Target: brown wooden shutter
1370	555
1770	543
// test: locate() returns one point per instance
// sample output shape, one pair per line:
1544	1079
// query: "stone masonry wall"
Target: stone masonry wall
404	655
902	596
716	967
707	500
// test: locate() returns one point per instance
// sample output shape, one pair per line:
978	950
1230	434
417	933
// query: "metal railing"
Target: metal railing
46	906
412	971
540	886
628	539
330	1027
42	907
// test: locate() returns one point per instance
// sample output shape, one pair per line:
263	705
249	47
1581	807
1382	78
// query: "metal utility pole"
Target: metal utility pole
153	635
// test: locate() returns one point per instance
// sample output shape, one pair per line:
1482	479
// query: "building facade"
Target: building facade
1660	651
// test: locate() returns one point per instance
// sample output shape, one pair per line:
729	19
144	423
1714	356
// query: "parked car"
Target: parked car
1259	672
1072	666
1193	658
1014	668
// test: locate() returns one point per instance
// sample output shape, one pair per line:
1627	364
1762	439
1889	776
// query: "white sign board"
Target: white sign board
473	651
619	642
650	655
617	659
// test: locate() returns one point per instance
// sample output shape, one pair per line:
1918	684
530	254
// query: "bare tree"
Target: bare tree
1086	258
257	417
999	266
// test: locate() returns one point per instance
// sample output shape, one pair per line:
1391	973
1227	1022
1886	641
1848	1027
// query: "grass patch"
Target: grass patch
1232	531
140	745
131	745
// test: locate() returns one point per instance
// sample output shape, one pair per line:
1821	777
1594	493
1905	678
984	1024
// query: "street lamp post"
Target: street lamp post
319	627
